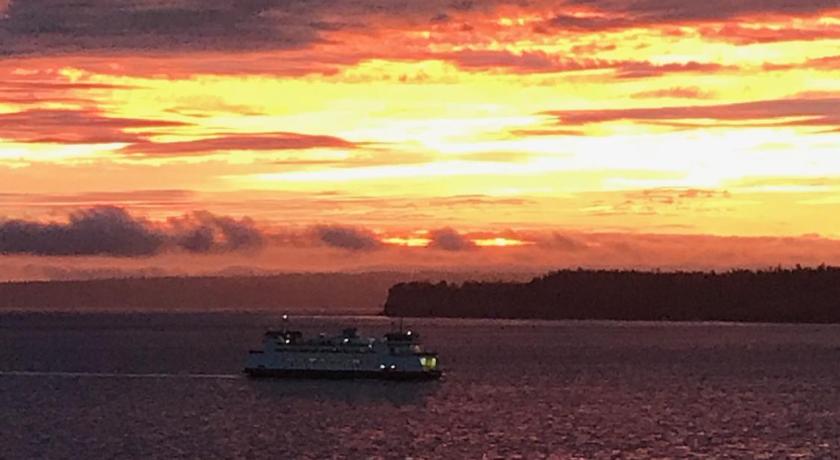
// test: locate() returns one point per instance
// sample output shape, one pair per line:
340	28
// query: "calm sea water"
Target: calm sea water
167	386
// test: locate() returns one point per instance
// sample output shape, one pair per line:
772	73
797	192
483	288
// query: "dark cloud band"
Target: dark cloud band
112	231
65	26
344	237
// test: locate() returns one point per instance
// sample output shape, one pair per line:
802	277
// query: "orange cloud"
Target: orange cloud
680	92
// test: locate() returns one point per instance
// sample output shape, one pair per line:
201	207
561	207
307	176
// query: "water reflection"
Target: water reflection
348	392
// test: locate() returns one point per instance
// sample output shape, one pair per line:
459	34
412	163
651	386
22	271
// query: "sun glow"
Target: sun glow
512	116
500	242
412	242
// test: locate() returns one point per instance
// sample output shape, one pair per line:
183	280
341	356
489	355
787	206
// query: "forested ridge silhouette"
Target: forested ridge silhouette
775	295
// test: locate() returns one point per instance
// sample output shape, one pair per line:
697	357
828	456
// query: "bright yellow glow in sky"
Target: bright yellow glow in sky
562	116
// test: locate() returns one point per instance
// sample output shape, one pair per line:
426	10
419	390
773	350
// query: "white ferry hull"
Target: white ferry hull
341	374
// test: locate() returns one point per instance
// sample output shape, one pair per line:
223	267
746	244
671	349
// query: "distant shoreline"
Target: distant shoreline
299	292
777	296
795	296
293	292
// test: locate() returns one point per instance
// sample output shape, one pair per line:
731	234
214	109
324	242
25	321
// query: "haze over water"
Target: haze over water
168	385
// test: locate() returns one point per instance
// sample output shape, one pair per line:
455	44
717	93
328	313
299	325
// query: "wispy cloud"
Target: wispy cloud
535	62
679	92
648	70
525	62
662	201
89	126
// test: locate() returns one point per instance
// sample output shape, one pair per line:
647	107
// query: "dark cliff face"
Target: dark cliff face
800	295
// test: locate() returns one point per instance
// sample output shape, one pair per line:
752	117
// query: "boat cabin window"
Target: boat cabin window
428	362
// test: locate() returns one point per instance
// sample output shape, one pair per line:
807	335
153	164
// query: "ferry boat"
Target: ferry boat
287	353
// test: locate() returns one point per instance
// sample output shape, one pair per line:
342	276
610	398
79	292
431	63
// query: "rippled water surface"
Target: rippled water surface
167	386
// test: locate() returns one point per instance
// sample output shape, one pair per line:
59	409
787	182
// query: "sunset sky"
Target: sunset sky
199	135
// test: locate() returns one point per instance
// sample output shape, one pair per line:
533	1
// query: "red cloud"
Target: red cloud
813	111
539	61
647	12
252	142
738	34
31	92
536	61
824	63
648	69
93	127
590	23
74	127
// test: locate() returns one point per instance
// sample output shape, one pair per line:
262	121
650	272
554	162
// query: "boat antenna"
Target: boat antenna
401	324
